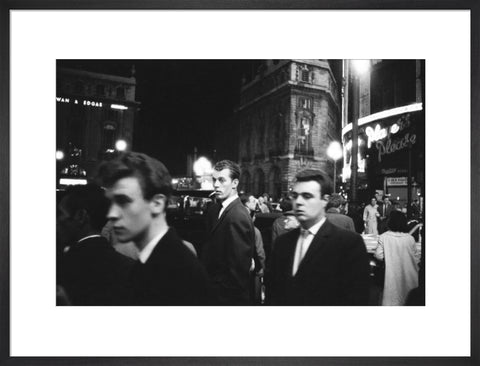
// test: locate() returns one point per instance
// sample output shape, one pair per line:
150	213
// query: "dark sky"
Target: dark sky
183	102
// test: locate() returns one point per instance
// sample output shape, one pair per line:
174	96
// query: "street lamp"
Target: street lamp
360	67
121	145
59	155
203	169
334	152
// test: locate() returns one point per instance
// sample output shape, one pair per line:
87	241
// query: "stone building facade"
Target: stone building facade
94	111
287	116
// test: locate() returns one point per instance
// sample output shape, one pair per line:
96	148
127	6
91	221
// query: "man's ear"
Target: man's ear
159	203
235	183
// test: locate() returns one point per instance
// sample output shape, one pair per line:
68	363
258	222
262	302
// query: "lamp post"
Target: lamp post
359	68
334	152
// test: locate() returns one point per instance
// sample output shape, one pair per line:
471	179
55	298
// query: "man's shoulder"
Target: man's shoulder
340	232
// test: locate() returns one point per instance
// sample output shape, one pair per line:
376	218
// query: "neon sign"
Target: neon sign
92	104
375	134
390	146
89	103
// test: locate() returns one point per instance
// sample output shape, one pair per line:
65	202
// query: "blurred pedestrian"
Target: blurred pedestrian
167	273
258	261
384	209
370	216
334	215
229	248
252	205
285	223
399	251
319	263
262	205
355	213
91	272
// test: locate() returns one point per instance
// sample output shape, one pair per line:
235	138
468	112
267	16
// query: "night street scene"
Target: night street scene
240	182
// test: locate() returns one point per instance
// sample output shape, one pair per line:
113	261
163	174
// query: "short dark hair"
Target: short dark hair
243	199
91	198
286	205
153	176
318	176
397	222
233	167
335	200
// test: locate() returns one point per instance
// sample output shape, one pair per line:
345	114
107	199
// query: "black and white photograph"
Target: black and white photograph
240	182
280	183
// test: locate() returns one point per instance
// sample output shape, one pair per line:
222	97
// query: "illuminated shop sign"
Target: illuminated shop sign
397	181
72	181
89	103
384	114
385	137
391	145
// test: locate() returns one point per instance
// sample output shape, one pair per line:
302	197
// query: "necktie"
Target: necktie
300	251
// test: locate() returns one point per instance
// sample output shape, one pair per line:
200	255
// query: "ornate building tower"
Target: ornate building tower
288	115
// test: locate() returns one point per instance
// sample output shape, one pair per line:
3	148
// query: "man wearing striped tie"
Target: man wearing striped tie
318	263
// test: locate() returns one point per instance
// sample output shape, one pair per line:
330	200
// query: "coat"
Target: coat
401	257
334	271
172	275
93	273
340	220
227	254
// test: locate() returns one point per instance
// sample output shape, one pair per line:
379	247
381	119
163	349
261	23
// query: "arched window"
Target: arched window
108	136
258	182
245	182
275	183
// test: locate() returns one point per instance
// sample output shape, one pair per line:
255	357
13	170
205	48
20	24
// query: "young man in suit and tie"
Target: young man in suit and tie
167	273
228	251
318	263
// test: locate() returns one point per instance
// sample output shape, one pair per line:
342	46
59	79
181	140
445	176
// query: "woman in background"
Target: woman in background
370	215
399	251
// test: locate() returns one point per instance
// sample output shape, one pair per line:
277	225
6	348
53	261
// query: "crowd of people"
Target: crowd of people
316	256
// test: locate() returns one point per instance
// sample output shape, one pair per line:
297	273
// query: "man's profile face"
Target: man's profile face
308	205
130	213
224	186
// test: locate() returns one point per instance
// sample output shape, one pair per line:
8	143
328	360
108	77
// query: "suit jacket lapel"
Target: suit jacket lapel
317	244
220	219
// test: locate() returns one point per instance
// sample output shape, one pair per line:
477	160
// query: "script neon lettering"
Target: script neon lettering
390	146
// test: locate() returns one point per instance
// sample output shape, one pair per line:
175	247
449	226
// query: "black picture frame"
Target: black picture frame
6	6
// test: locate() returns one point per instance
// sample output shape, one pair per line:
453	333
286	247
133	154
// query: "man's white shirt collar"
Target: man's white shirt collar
303	243
314	229
145	253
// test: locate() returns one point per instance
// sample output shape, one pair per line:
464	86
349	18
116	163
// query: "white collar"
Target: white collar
88	237
145	253
314	229
229	200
